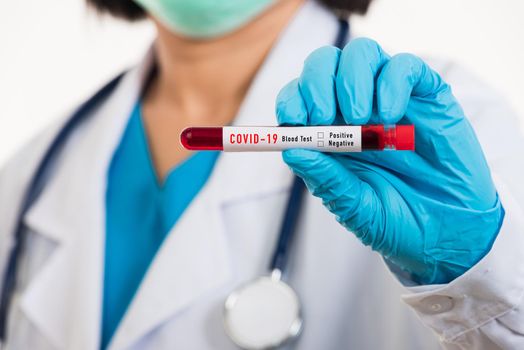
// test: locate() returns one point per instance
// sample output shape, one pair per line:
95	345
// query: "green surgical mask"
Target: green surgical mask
204	18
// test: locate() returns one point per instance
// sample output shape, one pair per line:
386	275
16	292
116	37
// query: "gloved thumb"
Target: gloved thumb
353	201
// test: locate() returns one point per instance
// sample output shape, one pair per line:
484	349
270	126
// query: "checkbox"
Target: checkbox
320	135
320	144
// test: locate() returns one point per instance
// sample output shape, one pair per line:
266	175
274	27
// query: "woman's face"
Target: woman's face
204	18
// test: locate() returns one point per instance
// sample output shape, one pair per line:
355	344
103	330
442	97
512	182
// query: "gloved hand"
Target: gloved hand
434	212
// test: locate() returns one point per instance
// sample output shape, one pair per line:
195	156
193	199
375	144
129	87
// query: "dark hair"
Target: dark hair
130	10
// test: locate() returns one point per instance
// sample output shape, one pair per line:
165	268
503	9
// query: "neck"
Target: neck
203	82
206	80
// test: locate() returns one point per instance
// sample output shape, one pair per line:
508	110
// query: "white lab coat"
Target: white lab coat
225	237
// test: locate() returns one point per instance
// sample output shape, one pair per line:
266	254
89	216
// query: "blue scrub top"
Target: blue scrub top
140	212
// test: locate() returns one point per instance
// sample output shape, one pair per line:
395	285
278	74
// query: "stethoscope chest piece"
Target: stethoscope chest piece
262	314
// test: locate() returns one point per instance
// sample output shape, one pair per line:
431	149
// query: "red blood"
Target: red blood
373	137
378	137
205	138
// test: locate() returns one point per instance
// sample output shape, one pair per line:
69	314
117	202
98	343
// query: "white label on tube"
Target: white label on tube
345	138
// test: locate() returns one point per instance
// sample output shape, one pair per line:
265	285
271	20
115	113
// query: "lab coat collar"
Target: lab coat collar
64	300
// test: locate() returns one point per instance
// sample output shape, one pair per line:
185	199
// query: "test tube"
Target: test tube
339	138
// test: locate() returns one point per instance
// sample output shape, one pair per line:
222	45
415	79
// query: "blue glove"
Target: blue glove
434	212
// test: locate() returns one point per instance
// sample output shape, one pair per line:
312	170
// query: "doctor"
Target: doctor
134	243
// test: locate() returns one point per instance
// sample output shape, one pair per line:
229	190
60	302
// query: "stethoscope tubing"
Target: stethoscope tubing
34	189
288	228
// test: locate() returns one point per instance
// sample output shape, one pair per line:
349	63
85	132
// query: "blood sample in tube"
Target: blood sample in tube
339	138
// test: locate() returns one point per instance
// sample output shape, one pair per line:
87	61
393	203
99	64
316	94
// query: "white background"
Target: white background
55	53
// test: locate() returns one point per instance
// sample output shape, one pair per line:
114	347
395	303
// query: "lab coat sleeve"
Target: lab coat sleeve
484	308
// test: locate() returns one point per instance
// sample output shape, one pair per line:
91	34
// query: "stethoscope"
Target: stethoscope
262	314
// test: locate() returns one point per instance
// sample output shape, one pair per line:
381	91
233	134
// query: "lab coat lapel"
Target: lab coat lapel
64	299
194	258
192	261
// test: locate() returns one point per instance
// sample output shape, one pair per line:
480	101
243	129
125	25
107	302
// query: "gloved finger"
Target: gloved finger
290	107
408	168
317	85
359	64
403	76
444	138
353	201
